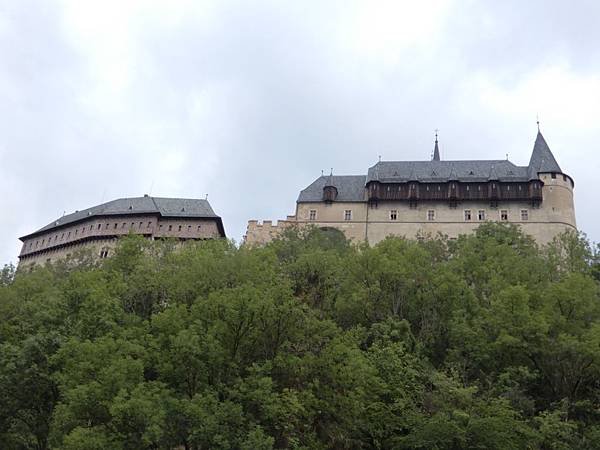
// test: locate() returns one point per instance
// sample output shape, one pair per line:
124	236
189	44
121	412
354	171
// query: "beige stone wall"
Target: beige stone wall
334	215
554	215
258	233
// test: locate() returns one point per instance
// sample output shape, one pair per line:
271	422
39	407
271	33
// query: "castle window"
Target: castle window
393	214
116	225
36	244
524	214
99	225
431	215
564	178
62	236
69	235
106	227
160	227
189	228
104	253
199	227
553	175
76	231
132	224
124	225
467	188
170	227
467	215
503	214
348	214
481	215
149	224
179	229
312	214
140	225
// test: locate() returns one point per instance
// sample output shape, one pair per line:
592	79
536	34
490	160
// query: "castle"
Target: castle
99	227
417	198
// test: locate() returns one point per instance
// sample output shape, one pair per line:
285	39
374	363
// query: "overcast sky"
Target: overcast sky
248	101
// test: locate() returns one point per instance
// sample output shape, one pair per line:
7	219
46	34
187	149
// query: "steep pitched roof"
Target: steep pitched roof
166	207
442	171
542	159
351	188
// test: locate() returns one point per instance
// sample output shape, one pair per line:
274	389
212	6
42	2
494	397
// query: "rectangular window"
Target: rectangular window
149	224
503	214
524	214
99	225
481	215
348	214
91	227
431	215
124	225
393	214
467	214
553	175
312	214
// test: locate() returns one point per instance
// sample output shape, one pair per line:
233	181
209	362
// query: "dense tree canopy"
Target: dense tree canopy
487	341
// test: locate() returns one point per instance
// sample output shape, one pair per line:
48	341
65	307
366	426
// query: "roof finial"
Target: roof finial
206	197
436	150
379	158
322	172
537	120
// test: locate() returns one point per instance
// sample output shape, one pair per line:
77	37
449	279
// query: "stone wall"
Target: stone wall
359	222
260	233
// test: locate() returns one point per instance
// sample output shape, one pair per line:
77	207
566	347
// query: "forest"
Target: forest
488	341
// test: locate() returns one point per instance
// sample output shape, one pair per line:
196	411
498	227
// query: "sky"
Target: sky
248	101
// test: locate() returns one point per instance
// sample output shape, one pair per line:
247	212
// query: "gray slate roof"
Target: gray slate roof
542	159
166	207
351	188
441	171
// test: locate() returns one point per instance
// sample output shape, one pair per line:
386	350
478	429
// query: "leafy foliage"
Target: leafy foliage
308	343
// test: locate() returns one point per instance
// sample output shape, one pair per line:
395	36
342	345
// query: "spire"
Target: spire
542	159
436	149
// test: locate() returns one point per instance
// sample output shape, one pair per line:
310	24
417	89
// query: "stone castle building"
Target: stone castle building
97	228
413	198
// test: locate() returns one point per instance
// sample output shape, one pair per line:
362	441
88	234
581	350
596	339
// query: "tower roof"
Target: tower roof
436	150
542	159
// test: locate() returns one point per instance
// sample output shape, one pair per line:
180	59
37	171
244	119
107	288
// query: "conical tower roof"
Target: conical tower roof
542	159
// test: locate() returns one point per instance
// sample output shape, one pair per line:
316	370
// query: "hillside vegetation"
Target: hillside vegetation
486	342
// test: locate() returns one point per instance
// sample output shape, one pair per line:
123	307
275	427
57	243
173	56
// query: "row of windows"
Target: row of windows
469	215
67	235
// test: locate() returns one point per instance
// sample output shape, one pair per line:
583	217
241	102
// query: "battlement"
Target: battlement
261	232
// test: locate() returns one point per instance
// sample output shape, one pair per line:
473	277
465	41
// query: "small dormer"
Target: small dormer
330	192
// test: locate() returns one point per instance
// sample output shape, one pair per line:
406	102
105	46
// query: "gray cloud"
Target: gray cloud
248	103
